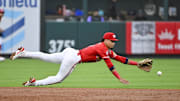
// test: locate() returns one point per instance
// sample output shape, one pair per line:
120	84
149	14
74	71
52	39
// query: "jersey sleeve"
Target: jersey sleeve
108	63
121	59
104	54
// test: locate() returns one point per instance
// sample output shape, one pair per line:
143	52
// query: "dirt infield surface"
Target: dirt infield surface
86	94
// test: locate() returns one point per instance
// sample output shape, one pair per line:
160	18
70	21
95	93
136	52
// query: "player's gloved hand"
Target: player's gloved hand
145	64
124	81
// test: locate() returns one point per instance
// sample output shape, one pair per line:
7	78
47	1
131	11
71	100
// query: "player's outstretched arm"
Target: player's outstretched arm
145	64
124	59
124	81
114	72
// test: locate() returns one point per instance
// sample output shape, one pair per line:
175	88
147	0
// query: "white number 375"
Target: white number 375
58	45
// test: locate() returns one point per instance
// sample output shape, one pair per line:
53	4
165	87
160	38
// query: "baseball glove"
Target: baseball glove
145	64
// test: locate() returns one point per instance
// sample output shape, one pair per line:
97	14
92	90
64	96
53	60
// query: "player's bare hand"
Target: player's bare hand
124	81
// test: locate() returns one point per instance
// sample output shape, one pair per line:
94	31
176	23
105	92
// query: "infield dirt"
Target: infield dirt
87	94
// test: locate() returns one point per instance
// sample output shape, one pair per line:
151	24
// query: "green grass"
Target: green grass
93	75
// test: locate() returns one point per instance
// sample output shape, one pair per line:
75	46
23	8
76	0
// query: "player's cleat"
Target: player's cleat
30	82
2	58
17	53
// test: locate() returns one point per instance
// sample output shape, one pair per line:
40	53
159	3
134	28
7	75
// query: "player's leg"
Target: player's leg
70	59
2	58
54	58
62	74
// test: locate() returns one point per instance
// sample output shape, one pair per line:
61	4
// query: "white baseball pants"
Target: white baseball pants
68	59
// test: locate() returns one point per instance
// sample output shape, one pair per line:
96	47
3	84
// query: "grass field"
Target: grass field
93	75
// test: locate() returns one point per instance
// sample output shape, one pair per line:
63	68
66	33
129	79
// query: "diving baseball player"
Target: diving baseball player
70	57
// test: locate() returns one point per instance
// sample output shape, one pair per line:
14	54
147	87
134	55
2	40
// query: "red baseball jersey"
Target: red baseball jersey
96	52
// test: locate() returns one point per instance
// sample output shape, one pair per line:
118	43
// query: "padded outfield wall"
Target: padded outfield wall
136	38
79	35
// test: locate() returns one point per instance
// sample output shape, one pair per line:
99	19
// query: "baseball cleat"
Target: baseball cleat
17	53
2	58
30	82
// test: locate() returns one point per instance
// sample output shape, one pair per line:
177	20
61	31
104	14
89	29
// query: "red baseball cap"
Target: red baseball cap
110	36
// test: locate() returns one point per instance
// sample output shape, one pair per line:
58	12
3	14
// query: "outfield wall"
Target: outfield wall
136	38
79	35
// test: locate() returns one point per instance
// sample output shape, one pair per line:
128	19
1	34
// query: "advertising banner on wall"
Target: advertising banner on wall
20	25
177	38
165	37
153	37
140	37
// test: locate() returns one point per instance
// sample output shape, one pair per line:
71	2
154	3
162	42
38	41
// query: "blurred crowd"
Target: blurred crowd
63	13
115	11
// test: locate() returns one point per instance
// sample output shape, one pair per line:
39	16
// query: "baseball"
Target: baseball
159	73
